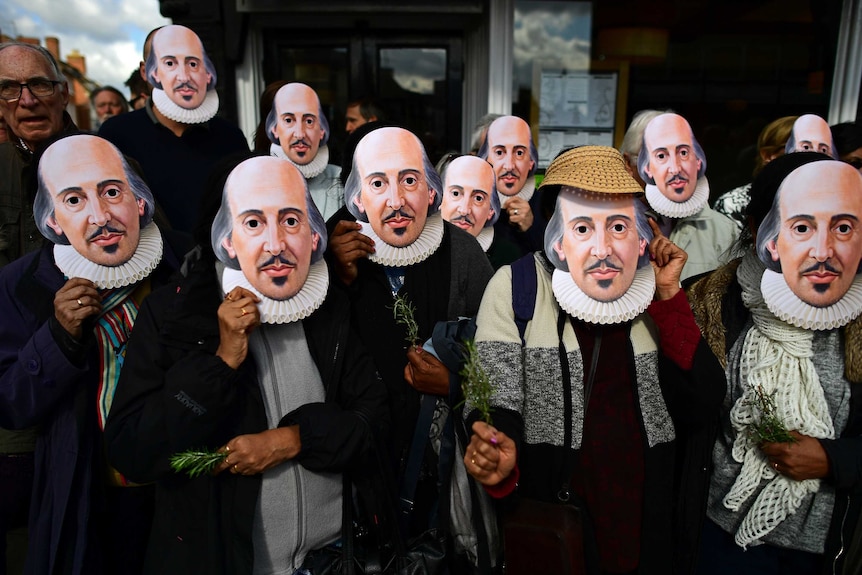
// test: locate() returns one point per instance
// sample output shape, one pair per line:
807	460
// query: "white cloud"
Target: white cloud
109	33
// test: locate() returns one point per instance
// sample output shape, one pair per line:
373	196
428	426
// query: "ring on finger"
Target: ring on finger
473	461
243	311
516	212
80	303
235	469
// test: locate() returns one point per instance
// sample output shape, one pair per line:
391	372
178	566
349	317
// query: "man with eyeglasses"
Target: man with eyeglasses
33	98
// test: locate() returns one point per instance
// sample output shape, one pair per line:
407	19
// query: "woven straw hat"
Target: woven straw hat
596	169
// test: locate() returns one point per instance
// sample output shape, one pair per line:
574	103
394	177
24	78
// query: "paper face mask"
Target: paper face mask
811	133
813	233
510	150
392	185
179	66
88	197
268	227
599	239
671	158
470	198
297	123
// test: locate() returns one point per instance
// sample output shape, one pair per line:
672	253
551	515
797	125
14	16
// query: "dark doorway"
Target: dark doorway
416	78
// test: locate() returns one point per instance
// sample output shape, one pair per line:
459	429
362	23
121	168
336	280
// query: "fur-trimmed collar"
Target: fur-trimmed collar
707	297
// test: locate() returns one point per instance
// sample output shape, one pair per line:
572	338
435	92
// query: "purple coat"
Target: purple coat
41	385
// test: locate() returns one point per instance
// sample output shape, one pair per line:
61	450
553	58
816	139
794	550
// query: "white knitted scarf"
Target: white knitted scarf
776	357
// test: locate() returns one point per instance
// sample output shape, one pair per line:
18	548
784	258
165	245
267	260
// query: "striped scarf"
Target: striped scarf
119	310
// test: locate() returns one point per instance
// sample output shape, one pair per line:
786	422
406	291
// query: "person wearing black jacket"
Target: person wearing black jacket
257	362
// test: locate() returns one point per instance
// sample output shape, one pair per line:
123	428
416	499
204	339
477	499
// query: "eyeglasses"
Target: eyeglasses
11	91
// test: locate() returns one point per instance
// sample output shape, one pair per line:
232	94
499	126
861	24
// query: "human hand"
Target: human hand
348	245
256	452
520	213
803	459
74	303
491	455
425	373
667	261
237	317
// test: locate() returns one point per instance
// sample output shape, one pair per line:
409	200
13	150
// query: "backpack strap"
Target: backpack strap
524	287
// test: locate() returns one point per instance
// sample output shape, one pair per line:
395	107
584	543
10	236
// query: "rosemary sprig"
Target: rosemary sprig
475	382
768	428
404	312
195	462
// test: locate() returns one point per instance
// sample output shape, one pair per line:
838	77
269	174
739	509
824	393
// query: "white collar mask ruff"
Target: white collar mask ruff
295	308
787	306
486	238
625	308
147	256
676	210
525	194
425	245
199	115
313	168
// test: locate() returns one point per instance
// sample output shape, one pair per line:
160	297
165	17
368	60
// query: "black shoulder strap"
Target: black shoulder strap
524	287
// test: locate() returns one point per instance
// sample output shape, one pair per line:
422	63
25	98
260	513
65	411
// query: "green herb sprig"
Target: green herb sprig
768	428
404	313
195	462
475	382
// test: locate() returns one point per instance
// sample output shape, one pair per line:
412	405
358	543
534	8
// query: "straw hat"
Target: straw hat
596	169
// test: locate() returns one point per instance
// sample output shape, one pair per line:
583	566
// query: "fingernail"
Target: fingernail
494	439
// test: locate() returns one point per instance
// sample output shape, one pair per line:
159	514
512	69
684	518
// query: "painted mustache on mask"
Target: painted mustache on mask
277	259
300	141
186	85
821	266
462	218
102	230
677	178
605	263
512	173
396	214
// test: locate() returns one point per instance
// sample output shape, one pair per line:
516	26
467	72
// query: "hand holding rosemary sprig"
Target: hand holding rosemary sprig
768	428
475	382
404	311
195	462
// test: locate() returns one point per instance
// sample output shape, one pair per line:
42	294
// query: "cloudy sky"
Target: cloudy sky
110	33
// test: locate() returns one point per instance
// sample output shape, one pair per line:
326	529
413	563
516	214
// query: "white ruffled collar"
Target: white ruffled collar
625	308
199	115
313	168
677	210
420	250
295	308
147	256
486	238
787	306
525	194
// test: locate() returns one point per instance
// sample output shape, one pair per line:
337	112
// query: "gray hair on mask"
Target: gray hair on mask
222	227
353	185
43	206
556	227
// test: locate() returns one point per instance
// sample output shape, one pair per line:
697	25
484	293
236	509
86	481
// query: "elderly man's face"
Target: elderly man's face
600	243
94	206
819	241
33	119
467	194
395	194
107	104
673	163
180	66
509	153
272	238
812	134
297	126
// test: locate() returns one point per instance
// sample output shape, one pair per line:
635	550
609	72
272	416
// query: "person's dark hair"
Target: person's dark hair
137	86
368	108
113	90
847	137
350	147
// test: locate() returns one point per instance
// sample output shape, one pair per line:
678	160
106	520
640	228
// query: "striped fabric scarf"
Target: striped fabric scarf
119	310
